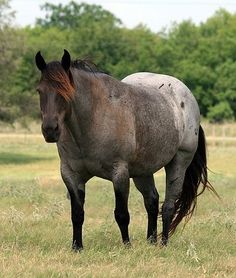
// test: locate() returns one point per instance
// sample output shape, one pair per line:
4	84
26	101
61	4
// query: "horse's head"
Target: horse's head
56	90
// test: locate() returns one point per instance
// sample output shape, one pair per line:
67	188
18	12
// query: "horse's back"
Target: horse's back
162	82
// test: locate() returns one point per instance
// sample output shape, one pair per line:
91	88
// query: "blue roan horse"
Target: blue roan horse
119	130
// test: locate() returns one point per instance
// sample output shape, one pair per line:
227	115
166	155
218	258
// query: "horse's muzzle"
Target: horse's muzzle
51	134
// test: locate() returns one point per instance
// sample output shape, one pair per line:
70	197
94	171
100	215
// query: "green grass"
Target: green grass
35	226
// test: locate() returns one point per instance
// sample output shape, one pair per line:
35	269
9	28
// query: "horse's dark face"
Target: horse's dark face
55	90
53	111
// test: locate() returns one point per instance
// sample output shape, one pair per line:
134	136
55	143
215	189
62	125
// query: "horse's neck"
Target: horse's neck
82	104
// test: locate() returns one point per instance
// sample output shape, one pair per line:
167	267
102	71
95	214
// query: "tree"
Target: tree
51	43
203	56
75	15
10	47
6	14
92	32
220	112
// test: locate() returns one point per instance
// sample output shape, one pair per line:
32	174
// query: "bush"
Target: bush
220	112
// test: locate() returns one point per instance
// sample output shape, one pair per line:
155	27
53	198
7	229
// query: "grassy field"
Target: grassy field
35	227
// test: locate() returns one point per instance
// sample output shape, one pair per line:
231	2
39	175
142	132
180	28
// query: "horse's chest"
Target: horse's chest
98	168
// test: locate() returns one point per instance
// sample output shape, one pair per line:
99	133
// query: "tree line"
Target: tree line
202	56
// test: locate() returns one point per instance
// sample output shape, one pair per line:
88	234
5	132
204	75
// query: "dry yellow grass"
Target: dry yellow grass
35	228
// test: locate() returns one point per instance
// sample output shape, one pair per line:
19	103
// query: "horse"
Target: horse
117	130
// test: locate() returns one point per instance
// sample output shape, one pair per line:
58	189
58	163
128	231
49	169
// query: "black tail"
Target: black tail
196	175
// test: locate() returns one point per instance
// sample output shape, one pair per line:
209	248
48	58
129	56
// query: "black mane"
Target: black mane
86	65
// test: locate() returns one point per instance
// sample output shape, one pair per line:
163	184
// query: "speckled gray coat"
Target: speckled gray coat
116	130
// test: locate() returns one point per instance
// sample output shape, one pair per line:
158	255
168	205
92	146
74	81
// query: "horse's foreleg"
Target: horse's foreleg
120	179
147	187
76	189
77	215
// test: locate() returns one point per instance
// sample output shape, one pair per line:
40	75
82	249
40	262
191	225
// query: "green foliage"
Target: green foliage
75	15
220	112
11	47
203	56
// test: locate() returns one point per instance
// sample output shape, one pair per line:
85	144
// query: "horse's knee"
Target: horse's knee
155	199
77	218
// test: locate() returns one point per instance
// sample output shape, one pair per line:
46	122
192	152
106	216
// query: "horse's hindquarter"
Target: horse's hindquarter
165	115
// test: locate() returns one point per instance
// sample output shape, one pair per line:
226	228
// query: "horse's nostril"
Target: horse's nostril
50	128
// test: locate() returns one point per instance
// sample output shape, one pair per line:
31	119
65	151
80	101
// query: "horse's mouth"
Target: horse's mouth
51	137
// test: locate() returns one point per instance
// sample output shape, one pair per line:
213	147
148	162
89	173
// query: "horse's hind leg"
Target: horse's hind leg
147	187
175	174
120	179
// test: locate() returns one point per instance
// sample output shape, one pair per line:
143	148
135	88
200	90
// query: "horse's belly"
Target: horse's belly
150	160
155	147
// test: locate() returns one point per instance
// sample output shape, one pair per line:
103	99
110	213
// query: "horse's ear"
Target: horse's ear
40	63
66	60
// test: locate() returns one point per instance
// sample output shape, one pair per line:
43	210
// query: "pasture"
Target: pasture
35	226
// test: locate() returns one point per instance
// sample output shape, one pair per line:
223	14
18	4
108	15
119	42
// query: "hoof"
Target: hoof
76	248
127	244
152	240
164	242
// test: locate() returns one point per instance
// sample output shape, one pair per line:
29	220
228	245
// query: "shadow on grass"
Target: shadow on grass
19	158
